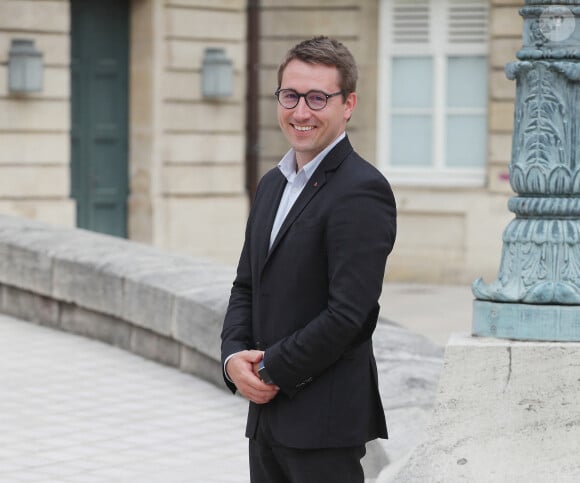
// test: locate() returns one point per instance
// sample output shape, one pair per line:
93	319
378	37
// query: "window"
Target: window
432	126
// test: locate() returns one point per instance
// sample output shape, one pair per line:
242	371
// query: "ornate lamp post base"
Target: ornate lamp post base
558	323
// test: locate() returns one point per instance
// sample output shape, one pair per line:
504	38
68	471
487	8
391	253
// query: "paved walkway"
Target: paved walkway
77	410
435	311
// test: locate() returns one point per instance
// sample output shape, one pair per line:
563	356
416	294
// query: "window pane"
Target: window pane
411	140
412	82
466	140
467	82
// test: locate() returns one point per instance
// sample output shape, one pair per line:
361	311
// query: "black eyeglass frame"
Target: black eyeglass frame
299	95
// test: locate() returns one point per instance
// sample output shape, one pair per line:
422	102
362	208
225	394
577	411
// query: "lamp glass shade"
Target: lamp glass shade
25	67
217	74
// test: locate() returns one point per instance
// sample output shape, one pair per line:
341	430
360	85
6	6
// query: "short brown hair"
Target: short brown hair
326	51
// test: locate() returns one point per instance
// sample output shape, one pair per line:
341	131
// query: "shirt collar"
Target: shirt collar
287	164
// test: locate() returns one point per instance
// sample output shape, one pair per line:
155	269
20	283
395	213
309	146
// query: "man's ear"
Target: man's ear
349	105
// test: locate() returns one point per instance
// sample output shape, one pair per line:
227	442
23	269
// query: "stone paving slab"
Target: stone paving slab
77	410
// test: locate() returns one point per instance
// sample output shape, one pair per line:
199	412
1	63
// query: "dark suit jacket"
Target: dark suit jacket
311	302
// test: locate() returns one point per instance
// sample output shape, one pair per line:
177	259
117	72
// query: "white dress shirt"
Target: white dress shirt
296	181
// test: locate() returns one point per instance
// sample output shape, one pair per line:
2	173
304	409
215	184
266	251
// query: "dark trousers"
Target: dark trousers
272	463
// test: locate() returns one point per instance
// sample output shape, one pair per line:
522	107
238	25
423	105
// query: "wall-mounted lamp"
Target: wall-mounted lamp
24	67
217	74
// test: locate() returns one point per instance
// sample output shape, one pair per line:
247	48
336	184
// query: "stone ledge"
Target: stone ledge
156	304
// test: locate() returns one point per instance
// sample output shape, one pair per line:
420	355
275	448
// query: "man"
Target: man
296	340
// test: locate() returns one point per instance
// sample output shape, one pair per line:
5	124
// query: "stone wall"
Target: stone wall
34	129
187	153
163	306
448	235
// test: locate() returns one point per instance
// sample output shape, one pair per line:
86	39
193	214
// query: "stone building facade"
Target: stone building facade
187	158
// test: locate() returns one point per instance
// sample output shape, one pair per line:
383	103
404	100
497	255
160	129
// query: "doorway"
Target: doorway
99	114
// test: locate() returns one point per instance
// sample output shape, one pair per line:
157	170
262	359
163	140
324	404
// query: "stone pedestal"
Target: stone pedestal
505	411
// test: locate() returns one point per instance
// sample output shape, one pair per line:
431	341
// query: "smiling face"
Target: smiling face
309	131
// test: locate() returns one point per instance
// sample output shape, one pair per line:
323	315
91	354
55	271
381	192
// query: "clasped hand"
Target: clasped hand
242	369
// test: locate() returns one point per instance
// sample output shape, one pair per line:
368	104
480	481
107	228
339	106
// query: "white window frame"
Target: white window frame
439	50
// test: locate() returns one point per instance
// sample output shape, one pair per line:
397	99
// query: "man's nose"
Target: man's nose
301	109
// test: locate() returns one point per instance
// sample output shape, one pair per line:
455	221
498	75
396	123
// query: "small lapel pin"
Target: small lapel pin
315	184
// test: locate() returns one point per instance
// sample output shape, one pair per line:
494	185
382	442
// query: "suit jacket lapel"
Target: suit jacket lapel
314	185
272	198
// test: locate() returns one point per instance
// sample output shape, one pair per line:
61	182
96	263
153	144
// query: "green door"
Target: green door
99	113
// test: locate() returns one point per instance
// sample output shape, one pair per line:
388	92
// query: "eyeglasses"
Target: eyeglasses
315	100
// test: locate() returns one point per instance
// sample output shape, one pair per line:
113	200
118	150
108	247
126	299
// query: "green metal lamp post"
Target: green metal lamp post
537	293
